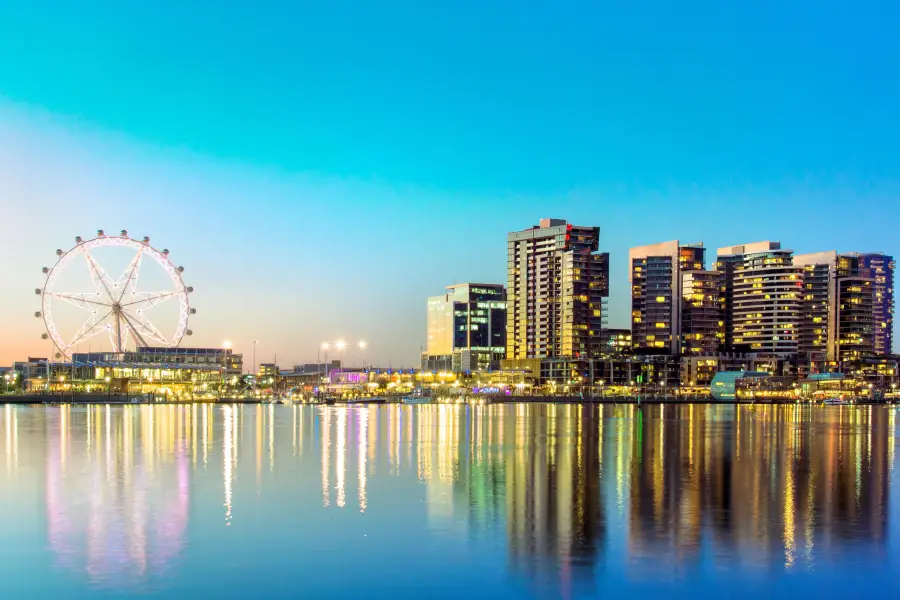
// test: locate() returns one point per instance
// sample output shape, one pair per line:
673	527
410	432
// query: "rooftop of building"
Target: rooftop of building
471	285
549	228
751	248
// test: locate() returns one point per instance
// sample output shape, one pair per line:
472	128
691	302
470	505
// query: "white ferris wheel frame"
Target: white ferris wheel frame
128	323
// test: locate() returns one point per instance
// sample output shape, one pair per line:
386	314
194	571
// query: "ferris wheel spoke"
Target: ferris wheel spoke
141	324
125	332
90	328
79	300
131	273
91	332
132	328
150	299
98	275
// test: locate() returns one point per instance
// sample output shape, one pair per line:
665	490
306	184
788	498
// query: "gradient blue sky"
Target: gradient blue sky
320	168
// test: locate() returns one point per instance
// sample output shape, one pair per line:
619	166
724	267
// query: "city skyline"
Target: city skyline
316	197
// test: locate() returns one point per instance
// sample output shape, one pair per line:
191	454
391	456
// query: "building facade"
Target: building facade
855	322
655	292
816	340
616	341
838	317
674	300
466	328
702	326
761	292
557	286
880	268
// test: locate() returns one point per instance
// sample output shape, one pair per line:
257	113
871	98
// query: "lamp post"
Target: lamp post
319	374
255	366
227	346
107	389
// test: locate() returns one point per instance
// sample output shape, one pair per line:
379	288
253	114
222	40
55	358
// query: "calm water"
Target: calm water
498	501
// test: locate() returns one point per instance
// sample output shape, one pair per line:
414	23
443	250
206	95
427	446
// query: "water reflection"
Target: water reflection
117	489
565	492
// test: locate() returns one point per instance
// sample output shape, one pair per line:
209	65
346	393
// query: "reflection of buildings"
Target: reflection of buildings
347	445
772	483
553	490
107	512
780	486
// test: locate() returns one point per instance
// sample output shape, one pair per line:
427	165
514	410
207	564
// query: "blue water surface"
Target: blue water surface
448	501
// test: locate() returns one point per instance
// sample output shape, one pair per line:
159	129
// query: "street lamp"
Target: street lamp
107	388
255	366
227	346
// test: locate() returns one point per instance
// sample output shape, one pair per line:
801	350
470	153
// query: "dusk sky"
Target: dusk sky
321	168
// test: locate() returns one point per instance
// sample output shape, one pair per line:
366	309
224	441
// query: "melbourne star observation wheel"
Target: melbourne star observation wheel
145	304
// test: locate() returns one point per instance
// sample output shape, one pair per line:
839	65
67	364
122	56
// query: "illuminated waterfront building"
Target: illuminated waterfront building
267	370
655	290
702	327
817	328
674	300
178	373
761	297
557	285
466	328
880	268
838	319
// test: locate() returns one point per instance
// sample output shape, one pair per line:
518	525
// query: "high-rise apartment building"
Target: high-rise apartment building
466	327
855	323
674	301
880	268
557	284
816	334
838	318
702	325
761	296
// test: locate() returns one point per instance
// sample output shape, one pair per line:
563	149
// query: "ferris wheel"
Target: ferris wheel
147	304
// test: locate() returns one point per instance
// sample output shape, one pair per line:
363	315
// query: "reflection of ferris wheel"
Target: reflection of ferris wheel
119	307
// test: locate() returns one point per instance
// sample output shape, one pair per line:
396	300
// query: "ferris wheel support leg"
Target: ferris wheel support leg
119	333
134	330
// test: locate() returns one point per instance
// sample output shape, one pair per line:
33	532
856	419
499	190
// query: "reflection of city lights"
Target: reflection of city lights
271	437
111	514
341	450
563	483
227	460
361	457
12	437
326	451
205	436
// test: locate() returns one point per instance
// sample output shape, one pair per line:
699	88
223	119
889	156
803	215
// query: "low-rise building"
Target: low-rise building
466	328
176	373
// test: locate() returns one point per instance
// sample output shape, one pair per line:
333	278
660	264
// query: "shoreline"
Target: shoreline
91	400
